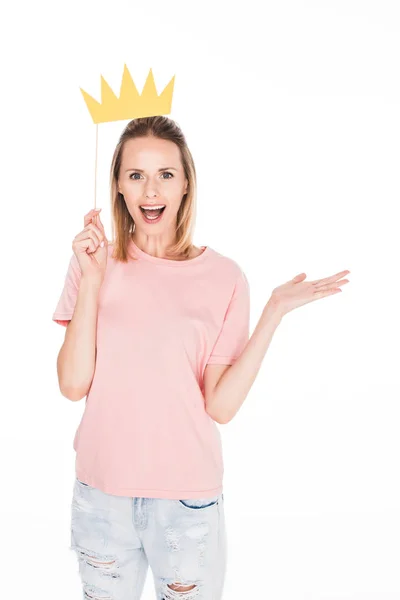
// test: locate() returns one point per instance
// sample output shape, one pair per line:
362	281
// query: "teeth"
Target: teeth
152	207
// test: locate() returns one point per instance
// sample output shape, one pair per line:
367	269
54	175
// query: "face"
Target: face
152	174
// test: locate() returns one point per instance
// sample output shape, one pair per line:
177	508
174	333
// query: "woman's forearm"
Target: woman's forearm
234	385
77	357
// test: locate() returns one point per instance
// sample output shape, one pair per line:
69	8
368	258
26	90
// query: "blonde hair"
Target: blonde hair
122	222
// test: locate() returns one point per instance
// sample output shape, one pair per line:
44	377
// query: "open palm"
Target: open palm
298	292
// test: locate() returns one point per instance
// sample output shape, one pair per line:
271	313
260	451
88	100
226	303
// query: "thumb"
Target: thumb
299	277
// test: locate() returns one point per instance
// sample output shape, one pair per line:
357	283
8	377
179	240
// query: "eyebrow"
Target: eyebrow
162	169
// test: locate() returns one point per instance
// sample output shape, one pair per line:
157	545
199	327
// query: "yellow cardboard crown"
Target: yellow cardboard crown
130	104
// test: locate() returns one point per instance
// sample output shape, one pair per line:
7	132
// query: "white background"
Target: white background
292	112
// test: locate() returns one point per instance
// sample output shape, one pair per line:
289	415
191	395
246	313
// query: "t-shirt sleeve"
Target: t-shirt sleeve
235	330
66	303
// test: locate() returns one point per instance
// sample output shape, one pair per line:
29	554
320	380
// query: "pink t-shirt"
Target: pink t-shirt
145	431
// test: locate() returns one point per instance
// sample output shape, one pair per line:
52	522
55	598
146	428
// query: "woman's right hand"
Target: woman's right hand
92	257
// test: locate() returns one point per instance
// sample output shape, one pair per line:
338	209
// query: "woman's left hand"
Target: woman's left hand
298	292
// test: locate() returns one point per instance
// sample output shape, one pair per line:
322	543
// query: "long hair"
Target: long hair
123	224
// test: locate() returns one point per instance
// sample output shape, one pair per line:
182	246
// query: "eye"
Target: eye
136	173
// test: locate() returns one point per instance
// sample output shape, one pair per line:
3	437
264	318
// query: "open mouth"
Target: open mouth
152	214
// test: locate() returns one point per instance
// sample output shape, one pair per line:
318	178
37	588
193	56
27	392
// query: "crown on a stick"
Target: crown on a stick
130	104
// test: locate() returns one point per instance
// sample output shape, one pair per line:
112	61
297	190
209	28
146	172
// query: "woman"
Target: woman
158	342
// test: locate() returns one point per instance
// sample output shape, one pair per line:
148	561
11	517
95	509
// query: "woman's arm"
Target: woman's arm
226	391
226	386
77	358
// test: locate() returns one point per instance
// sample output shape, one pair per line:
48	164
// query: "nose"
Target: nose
150	191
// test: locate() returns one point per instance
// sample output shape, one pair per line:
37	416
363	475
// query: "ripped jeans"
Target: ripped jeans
117	538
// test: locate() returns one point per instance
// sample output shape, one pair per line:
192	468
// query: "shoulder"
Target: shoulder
228	266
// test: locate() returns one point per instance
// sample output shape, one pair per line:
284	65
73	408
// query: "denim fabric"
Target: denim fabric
117	538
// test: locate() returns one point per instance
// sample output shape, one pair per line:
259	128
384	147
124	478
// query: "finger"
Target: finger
92	225
92	211
88	237
94	218
88	217
86	244
100	221
100	226
92	246
90	231
330	287
330	279
324	294
97	231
